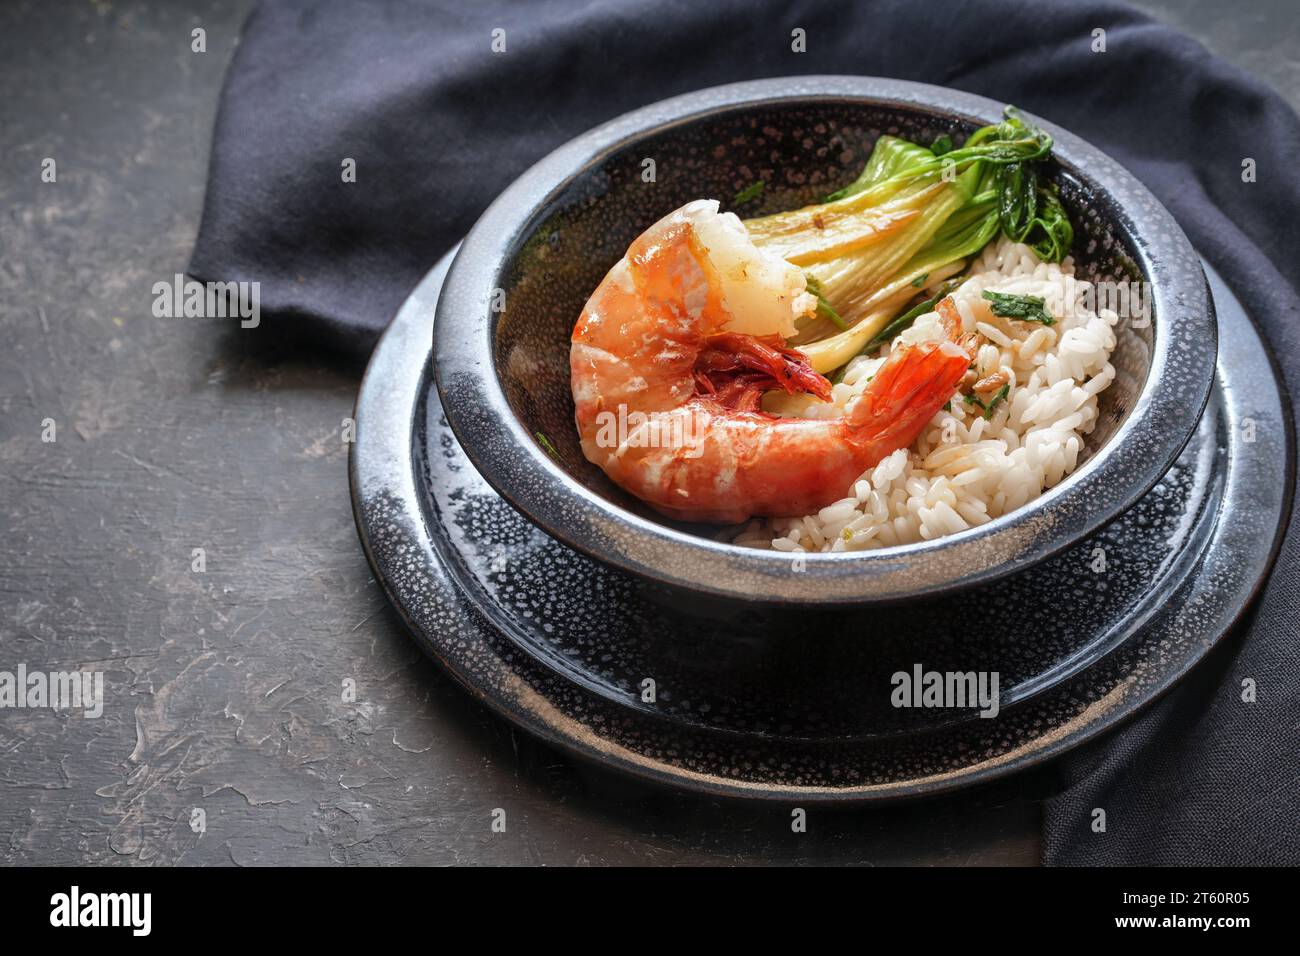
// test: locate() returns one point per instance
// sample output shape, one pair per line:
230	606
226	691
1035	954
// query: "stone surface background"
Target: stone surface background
223	688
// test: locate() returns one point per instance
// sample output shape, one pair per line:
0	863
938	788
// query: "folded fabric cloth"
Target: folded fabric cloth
435	122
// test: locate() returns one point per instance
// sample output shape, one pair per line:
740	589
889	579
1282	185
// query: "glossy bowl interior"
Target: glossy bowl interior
546	244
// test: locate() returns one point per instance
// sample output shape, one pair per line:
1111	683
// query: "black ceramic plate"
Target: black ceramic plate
797	704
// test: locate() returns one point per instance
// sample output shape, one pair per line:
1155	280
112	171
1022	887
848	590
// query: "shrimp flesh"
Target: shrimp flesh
675	348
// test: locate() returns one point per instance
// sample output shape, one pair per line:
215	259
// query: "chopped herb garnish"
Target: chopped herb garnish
907	318
941	145
546	443
947	406
920	280
827	311
972	400
749	193
996	400
824	308
1025	308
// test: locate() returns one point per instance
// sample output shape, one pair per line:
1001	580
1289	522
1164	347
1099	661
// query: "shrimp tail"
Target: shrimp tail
912	385
735	369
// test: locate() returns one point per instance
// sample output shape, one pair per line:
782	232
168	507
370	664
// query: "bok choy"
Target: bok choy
908	223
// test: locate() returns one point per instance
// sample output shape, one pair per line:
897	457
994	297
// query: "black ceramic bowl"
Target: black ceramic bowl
544	245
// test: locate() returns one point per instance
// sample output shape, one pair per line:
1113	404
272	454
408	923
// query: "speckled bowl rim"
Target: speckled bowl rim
1161	421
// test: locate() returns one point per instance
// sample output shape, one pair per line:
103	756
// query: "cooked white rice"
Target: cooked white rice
964	470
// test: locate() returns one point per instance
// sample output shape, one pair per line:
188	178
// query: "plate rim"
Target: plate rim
382	459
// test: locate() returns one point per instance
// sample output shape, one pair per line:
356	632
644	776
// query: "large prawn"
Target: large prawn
674	350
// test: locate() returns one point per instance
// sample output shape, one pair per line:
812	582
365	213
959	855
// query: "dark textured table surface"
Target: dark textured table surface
223	687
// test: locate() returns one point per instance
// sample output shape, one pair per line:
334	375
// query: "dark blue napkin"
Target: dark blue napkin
438	123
